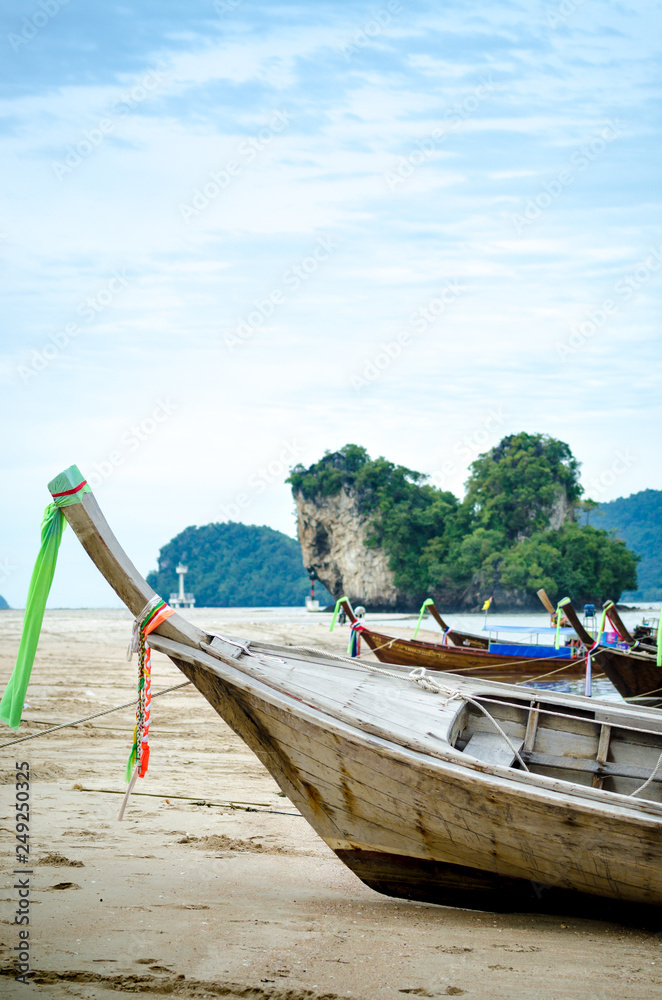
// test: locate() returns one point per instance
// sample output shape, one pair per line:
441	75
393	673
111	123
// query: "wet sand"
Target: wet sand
213	885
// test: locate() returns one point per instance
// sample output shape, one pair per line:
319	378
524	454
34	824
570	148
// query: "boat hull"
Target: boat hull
633	675
469	661
436	831
386	767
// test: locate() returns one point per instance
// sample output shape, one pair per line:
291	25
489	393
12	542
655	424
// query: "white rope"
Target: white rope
134	641
233	642
356	662
648	780
420	676
423	679
573	718
86	718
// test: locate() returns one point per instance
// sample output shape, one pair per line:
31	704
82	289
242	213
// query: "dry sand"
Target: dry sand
193	897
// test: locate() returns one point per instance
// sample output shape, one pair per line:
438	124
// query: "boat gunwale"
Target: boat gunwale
522	782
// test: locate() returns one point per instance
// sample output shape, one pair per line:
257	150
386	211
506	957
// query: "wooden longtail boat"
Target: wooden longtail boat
509	663
453	636
430	787
634	672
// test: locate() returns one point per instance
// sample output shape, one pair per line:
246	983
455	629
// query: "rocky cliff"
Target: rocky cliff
332	533
513	533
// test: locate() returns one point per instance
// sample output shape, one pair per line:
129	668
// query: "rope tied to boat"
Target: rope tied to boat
420	676
134	641
155	612
205	646
650	779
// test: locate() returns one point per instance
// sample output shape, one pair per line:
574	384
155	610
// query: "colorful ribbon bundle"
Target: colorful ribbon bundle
152	616
354	646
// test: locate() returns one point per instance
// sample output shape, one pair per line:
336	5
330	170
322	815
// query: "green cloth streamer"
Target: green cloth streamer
559	616
13	699
659	642
335	612
424	605
52	526
598	637
131	762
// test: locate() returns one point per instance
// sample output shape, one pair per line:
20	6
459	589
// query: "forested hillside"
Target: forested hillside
234	565
514	532
637	519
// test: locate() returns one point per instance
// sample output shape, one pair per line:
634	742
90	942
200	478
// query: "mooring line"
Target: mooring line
107	711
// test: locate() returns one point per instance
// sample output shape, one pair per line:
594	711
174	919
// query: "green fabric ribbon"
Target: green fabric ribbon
424	605
559	616
659	642
603	619
335	612
52	526
131	762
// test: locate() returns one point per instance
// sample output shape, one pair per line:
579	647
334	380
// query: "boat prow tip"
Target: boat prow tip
67	481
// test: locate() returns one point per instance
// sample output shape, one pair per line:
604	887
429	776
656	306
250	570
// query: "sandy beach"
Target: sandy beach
213	885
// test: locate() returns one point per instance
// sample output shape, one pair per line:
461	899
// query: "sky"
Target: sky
235	235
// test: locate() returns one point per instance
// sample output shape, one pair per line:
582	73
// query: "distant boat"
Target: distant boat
430	787
633	671
497	660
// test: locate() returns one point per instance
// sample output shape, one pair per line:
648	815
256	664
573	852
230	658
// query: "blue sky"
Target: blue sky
237	234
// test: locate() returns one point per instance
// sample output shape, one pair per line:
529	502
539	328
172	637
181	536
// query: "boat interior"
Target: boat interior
593	747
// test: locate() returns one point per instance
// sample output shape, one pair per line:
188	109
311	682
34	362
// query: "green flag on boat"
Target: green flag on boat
335	612
426	604
52	526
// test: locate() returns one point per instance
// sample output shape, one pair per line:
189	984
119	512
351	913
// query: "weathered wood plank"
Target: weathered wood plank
493	749
603	753
591	766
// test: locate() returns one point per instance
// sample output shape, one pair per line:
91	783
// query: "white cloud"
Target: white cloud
322	176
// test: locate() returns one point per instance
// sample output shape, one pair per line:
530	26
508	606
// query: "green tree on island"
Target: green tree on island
514	532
